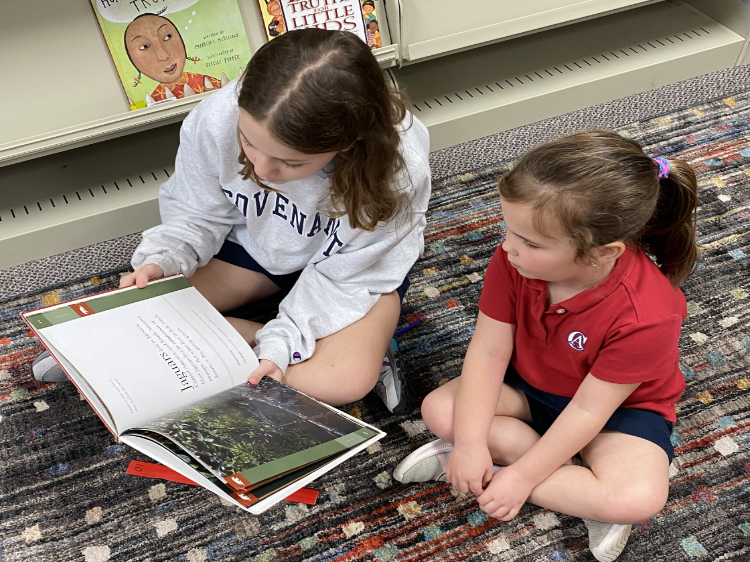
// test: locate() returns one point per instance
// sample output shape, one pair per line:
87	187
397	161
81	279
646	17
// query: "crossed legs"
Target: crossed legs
627	480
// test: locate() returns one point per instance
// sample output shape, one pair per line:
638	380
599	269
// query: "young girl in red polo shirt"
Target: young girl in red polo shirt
575	347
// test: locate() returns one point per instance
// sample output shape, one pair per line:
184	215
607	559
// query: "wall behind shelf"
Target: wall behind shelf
41	231
56	68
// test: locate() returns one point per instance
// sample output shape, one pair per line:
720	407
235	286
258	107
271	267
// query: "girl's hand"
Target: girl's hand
505	495
142	275
469	469
266	368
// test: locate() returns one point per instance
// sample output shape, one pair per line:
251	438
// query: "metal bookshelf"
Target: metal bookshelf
76	168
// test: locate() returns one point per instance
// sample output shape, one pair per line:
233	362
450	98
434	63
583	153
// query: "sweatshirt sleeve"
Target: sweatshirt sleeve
341	289
196	215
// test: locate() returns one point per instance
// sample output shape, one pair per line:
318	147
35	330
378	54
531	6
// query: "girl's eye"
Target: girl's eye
292	165
144	47
168	37
530	245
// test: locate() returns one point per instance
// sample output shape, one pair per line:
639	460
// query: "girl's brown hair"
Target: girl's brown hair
603	188
322	91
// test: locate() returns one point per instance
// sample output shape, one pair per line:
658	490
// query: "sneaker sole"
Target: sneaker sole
406	399
613	544
405	402
427	450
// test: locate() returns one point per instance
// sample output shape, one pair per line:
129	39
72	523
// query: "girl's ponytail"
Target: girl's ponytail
670	233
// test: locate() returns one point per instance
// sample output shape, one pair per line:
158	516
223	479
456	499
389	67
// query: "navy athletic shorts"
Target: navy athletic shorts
234	253
545	408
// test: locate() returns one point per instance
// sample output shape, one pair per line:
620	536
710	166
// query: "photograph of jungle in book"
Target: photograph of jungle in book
248	426
259	492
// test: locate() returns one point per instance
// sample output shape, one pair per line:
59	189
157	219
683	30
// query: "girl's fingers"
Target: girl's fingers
142	279
256	375
487	478
265	369
127	280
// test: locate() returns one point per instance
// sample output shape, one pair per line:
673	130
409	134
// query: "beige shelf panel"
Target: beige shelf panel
61	89
734	14
83	196
430	28
90	132
57	203
479	92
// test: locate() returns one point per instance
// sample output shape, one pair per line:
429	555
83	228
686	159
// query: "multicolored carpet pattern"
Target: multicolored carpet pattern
65	496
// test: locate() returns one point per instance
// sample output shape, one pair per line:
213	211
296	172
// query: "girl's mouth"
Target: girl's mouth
170	69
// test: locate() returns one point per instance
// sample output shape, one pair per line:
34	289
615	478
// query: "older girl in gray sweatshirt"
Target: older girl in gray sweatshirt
311	176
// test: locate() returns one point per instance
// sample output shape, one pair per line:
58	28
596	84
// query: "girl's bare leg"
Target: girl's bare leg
345	365
228	286
628	478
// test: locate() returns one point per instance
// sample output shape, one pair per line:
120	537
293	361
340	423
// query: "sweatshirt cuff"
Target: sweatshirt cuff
168	264
274	349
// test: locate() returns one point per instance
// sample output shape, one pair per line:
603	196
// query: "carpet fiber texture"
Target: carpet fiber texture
65	495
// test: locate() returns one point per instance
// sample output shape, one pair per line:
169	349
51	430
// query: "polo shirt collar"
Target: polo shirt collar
593	295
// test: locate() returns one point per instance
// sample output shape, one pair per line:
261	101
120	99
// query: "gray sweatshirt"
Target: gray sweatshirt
344	270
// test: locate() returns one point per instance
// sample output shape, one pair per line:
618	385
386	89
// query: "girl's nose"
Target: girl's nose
263	166
509	247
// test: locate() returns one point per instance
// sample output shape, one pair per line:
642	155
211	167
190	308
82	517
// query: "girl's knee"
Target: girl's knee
356	385
336	388
634	502
437	412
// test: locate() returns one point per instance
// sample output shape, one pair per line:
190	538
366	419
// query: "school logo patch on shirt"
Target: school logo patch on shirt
576	340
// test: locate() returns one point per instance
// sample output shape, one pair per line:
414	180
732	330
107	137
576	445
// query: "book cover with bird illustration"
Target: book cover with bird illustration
165	50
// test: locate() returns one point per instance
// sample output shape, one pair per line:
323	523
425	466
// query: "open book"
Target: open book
167	374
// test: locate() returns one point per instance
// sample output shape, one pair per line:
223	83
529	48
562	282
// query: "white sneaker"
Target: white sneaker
426	463
607	540
45	368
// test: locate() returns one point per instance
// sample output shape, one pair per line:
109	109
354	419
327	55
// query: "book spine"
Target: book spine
245	498
260	5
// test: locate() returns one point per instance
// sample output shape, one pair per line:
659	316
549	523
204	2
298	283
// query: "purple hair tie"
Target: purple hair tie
663	167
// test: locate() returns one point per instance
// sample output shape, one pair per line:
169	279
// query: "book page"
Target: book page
258	432
147	358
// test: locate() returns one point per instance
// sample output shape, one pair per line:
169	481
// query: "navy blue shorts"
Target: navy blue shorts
545	408
234	253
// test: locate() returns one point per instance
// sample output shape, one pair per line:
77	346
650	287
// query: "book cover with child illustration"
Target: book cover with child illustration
173	49
357	16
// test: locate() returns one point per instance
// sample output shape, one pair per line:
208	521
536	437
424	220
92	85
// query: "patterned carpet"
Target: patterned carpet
65	495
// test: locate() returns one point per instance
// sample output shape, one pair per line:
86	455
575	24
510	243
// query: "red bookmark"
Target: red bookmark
151	470
303	495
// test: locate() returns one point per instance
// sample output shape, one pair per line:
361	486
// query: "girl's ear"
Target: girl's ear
609	252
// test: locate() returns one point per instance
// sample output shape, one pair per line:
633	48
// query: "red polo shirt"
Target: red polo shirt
624	330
